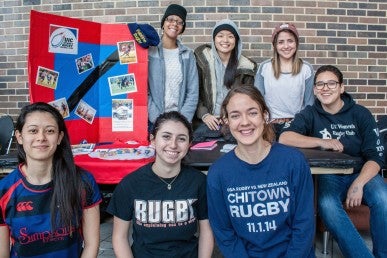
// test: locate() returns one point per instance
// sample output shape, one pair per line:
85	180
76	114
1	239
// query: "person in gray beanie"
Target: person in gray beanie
172	73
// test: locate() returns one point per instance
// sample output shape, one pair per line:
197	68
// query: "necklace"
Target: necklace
169	185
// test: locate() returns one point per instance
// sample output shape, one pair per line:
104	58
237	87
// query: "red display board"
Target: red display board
94	74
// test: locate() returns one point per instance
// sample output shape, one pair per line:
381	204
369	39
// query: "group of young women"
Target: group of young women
257	200
195	83
216	88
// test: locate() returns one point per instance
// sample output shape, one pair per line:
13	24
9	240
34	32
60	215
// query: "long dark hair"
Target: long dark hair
231	68
67	184
251	91
172	116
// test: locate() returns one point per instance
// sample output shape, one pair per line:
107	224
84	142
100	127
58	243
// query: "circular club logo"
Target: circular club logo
63	40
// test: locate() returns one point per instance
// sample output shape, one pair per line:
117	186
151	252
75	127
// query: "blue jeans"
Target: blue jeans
332	191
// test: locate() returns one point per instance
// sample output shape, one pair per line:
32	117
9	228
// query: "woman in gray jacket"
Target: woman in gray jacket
172	72
221	65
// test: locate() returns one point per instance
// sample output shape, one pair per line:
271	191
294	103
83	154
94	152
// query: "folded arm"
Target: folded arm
302	141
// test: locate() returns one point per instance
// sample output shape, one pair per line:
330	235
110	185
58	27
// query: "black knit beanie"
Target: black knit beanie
227	27
175	9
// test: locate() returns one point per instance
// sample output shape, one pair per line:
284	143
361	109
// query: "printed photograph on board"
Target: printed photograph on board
122	115
47	77
122	84
127	52
85	111
84	63
61	106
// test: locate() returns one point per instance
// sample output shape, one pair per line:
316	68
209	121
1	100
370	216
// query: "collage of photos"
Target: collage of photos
122	109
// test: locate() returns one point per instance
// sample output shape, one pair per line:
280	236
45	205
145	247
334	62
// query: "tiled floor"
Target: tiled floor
106	249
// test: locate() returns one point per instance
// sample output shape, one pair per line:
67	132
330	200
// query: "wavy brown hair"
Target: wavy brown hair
251	91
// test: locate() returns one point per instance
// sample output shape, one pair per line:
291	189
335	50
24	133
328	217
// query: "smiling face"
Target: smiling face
224	41
328	97
171	142
39	136
245	119
173	26
286	45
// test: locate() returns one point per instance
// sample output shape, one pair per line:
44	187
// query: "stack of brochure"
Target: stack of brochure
82	148
227	147
204	145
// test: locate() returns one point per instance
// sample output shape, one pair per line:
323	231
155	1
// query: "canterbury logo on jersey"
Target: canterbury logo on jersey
24	206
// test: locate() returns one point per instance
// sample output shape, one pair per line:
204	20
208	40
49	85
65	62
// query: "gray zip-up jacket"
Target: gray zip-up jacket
207	61
189	88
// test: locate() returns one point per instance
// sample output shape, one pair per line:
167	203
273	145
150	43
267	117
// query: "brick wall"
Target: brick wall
349	34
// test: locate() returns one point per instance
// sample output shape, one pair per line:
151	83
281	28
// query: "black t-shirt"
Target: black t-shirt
164	221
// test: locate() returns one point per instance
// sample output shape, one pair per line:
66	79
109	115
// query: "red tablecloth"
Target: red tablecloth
109	171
